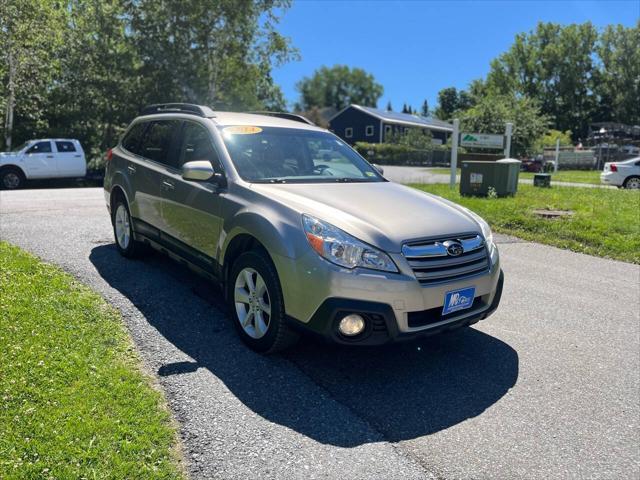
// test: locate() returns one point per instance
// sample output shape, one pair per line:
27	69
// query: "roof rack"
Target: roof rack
286	116
199	110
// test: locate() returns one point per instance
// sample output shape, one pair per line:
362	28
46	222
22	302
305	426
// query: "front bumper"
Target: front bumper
381	323
315	292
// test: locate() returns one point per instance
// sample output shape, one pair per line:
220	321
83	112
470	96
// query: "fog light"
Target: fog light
351	325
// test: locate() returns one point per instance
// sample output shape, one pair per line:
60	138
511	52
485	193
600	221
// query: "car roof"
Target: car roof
239	118
53	140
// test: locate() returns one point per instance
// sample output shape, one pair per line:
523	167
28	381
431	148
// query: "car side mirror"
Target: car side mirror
379	168
198	170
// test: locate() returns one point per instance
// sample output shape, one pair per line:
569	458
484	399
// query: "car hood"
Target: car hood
383	214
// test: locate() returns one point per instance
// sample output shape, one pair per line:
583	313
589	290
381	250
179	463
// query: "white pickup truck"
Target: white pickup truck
40	159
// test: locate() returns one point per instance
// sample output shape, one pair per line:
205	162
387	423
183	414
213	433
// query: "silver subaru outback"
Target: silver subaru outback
300	231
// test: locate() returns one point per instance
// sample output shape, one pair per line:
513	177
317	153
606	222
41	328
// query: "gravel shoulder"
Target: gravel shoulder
546	388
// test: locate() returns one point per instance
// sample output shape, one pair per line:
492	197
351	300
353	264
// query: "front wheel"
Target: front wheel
11	178
257	304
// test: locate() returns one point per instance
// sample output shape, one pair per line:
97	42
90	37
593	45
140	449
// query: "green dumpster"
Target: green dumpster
477	177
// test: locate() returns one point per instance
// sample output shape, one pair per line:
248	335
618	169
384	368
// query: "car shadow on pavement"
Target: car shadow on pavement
398	392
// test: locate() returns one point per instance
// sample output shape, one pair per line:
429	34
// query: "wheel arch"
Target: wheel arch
13	166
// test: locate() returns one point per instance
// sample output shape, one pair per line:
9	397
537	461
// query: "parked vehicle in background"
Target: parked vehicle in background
301	232
42	159
622	174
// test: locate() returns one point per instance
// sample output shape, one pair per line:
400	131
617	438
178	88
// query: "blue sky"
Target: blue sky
416	48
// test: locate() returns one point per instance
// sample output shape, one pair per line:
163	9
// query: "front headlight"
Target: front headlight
342	249
484	227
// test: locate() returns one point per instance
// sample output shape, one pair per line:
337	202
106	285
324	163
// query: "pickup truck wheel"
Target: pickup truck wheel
632	183
11	178
123	231
257	303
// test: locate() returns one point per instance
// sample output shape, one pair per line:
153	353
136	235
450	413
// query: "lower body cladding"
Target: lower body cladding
375	308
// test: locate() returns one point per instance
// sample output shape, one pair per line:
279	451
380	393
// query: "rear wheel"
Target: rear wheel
123	231
257	303
11	178
632	183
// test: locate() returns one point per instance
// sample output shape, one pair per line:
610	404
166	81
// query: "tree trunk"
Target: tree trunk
8	126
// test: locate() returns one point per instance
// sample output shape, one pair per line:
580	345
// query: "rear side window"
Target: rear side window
40	147
157	142
197	145
65	147
131	141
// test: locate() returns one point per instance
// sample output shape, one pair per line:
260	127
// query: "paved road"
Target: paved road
426	175
548	387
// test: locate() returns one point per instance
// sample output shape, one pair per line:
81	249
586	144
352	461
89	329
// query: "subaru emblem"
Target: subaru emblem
454	248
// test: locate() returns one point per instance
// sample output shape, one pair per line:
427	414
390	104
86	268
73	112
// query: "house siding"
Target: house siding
358	121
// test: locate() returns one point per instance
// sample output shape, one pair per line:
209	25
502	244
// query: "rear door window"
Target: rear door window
131	141
158	142
64	147
40	147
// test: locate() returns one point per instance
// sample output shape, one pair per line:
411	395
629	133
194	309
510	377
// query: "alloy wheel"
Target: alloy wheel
123	227
252	302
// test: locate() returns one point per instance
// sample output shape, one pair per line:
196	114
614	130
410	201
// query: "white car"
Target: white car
40	159
622	174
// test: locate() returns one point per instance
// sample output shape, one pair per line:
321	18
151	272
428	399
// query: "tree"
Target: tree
29	39
491	113
415	138
554	65
550	138
618	74
389	107
447	103
424	111
338	87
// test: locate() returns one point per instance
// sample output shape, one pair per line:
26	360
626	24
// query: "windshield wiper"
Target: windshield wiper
351	180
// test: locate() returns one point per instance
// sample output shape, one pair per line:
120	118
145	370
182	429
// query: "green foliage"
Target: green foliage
550	138
29	39
97	62
604	223
338	87
414	138
74	401
402	154
575	74
490	114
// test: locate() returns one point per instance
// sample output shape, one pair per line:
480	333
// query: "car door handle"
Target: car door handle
167	185
131	169
49	156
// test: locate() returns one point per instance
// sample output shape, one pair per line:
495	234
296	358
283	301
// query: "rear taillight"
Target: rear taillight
109	154
613	167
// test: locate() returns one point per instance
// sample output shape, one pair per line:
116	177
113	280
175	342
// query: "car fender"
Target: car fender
13	164
280	238
118	179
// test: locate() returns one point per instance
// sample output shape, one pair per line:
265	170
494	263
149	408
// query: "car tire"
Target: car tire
257	304
123	231
632	182
11	178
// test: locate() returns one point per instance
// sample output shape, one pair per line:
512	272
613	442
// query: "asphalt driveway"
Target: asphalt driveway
548	387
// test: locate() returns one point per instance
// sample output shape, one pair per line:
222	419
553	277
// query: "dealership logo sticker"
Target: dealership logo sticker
241	130
458	300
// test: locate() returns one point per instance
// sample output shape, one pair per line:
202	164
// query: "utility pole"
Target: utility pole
454	152
555	166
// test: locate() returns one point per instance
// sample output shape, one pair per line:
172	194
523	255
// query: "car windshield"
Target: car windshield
19	147
289	155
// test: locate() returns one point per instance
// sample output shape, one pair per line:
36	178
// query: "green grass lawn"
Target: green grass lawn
73	400
606	222
577	176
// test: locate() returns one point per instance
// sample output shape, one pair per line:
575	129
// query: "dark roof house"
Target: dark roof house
356	123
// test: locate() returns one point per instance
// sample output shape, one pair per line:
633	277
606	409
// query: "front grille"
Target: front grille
431	263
